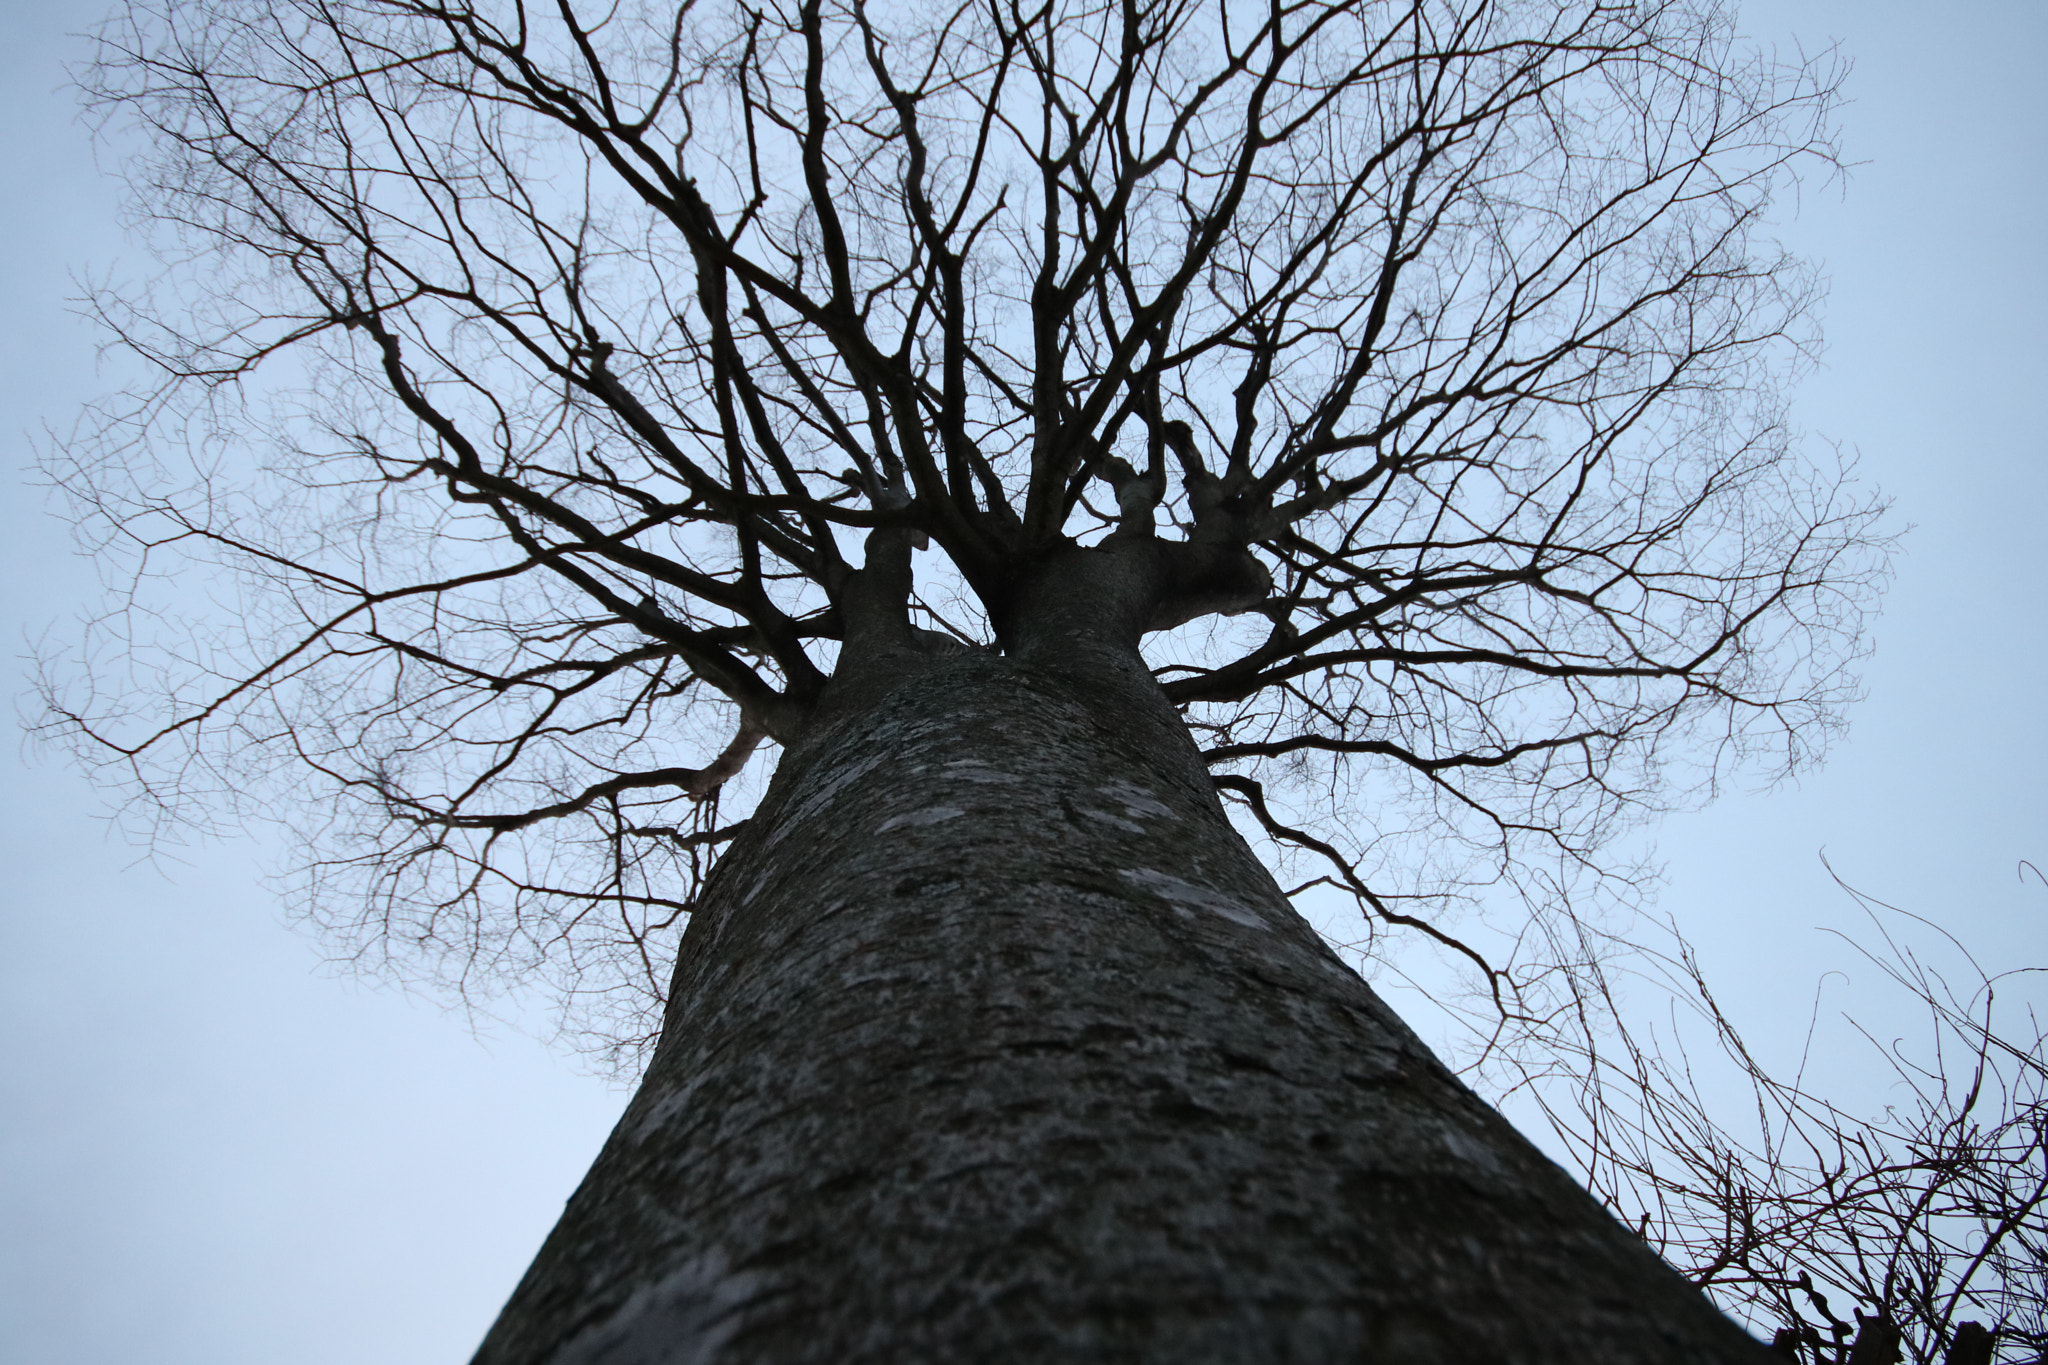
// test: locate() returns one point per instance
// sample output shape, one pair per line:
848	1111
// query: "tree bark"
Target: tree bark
992	1041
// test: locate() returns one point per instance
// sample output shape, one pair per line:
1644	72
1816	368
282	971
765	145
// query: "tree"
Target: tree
980	404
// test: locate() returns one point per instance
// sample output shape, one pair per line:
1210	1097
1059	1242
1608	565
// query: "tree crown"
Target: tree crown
1407	373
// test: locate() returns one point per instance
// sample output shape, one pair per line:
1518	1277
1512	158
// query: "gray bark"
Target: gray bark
992	1041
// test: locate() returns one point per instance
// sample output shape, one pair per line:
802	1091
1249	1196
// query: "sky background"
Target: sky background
214	1151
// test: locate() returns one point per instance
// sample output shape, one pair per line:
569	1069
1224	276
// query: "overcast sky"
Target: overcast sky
211	1151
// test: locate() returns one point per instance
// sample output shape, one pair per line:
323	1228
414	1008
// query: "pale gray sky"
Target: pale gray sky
211	1152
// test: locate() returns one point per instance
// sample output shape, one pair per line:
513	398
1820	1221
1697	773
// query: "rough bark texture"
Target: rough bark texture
992	1041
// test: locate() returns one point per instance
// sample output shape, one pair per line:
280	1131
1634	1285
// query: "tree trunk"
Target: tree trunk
992	1041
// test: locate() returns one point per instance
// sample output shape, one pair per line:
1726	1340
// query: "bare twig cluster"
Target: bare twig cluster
1920	1234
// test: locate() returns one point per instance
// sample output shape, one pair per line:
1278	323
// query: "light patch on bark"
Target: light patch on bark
930	815
1178	892
684	1318
822	796
1136	800
1114	821
1461	1148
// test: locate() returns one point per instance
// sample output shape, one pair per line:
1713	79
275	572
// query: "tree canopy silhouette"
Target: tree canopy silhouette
626	377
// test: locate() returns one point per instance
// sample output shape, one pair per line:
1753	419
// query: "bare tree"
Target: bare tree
1920	1234
631	388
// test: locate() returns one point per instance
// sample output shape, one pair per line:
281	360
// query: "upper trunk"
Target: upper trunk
991	1040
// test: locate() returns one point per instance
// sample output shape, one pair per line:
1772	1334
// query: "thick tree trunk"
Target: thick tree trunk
992	1041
